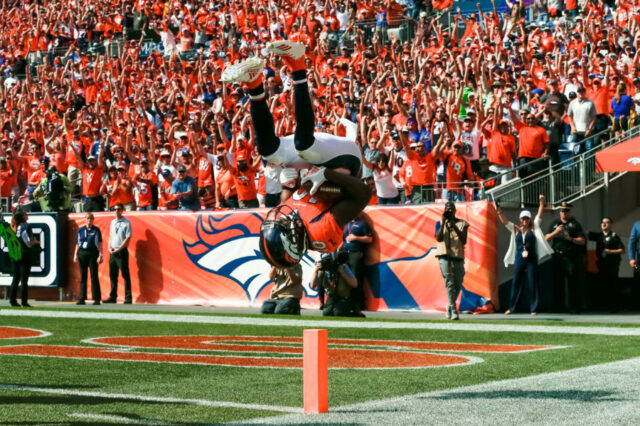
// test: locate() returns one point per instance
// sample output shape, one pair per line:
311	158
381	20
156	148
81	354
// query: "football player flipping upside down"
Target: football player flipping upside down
305	221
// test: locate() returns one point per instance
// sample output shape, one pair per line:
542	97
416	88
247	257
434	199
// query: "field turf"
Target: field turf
50	390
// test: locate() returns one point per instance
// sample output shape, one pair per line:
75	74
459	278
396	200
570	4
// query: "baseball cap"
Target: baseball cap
91	157
240	157
144	160
166	172
525	213
565	206
182	168
164	152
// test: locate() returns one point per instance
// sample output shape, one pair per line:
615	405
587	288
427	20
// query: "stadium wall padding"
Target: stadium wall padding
211	258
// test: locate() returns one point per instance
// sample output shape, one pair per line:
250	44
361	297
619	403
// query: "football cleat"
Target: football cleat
246	71
292	53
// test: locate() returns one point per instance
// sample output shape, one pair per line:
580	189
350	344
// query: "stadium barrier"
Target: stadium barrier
212	258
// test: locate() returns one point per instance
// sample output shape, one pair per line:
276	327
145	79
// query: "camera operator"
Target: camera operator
451	234
286	292
333	275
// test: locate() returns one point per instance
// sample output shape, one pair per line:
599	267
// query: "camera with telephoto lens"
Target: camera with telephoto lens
448	214
331	262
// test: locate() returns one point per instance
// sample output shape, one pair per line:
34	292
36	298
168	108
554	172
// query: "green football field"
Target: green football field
83	366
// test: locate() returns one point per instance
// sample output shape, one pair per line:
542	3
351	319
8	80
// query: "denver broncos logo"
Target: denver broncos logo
226	246
634	160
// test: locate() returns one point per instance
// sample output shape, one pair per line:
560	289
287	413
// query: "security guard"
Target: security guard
609	249
88	255
568	241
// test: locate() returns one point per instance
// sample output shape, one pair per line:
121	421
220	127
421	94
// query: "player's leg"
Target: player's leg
292	55
321	149
250	73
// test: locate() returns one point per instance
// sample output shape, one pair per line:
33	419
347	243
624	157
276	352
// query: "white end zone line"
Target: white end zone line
157	399
597	394
422	325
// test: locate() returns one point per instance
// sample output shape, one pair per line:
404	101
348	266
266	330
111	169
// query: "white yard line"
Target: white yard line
598	394
155	399
238	320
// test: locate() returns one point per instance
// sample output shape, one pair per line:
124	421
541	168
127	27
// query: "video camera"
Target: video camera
331	262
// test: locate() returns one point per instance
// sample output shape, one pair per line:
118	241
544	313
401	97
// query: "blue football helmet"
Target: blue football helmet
283	237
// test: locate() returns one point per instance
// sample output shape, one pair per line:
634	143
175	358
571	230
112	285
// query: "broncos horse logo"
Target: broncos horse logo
226	246
634	160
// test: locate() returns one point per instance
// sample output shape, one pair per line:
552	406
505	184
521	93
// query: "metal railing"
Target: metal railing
568	180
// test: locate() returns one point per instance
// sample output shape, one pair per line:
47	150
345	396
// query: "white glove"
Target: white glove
288	177
316	177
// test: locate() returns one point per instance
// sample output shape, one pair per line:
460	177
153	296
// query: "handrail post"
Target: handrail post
583	175
552	185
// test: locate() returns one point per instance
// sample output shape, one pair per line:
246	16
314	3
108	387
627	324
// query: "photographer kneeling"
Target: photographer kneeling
286	293
333	275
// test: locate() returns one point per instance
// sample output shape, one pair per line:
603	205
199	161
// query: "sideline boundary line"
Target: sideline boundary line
144	398
423	325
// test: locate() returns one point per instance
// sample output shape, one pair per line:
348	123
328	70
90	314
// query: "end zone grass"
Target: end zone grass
60	390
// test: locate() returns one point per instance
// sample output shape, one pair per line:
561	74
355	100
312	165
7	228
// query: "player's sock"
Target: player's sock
305	117
266	139
256	88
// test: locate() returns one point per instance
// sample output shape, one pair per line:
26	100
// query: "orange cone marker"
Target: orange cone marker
316	371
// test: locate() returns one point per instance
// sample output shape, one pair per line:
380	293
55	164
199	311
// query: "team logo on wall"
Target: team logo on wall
634	160
44	259
227	246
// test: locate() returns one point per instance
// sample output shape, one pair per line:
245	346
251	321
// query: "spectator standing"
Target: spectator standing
634	253
166	200
501	148
244	177
609	249
6	173
123	189
145	182
582	118
88	255
568	242
451	234
458	170
119	238
621	106
22	267
533	142
527	247
92	172
183	189
398	157
381	168
286	292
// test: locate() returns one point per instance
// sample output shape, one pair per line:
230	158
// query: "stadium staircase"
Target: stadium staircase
570	180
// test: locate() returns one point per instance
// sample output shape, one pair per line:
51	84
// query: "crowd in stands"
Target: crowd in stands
437	101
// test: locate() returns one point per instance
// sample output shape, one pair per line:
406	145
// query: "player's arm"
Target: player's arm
356	196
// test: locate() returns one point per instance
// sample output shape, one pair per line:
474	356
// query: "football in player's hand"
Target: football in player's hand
327	191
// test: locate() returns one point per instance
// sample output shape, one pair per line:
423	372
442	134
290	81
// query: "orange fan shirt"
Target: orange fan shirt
91	181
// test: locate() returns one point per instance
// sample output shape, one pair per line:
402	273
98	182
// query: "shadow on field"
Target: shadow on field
71	400
571	395
15	386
